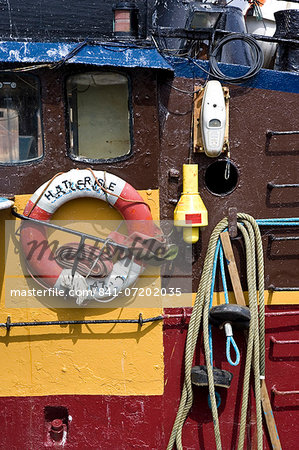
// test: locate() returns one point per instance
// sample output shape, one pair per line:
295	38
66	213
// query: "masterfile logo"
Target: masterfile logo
96	264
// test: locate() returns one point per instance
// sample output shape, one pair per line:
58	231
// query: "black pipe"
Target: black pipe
140	321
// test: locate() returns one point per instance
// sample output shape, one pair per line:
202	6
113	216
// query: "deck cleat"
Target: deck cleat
238	316
199	377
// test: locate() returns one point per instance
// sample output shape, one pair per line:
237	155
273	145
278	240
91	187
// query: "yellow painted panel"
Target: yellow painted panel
106	359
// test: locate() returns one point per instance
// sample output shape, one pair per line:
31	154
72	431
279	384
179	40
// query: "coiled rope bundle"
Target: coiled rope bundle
255	355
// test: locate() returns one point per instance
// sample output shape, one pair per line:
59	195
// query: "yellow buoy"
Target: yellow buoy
190	212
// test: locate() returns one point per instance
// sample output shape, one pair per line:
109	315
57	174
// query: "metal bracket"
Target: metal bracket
281	186
173	175
232	222
197	102
8	196
273	238
282	313
273	288
276	392
287	341
271	133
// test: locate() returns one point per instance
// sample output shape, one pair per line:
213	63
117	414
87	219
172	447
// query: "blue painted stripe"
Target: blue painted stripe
98	55
130	56
266	79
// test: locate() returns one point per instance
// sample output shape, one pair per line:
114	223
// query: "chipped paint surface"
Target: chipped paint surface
108	359
98	55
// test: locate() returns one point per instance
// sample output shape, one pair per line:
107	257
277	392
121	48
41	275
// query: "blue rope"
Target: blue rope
211	344
218	400
283	222
277	222
211	296
289	221
229	339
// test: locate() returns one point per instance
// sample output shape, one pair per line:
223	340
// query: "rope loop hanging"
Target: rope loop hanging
255	354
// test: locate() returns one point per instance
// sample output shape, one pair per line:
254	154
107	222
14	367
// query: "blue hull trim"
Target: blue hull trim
98	55
265	79
129	56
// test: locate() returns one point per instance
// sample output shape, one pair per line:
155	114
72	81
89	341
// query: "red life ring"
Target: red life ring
79	184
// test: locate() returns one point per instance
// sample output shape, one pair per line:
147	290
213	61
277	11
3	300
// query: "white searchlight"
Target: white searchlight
213	119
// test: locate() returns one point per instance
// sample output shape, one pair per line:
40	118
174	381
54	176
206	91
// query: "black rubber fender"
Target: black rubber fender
238	316
199	377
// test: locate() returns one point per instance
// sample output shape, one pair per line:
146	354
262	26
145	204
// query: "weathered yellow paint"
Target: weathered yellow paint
107	359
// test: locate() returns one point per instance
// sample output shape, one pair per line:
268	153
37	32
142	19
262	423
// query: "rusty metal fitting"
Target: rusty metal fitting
57	429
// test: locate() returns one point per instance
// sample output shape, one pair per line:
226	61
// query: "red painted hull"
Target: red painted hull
145	422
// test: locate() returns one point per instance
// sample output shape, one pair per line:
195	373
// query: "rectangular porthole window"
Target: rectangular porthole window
99	116
20	119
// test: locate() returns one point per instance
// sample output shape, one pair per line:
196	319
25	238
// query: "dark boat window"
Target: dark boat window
20	119
99	115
